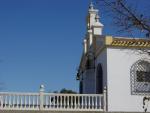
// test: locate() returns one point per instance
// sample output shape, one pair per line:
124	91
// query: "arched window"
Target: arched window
140	77
99	79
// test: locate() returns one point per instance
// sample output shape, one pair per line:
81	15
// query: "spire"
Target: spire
93	20
91	7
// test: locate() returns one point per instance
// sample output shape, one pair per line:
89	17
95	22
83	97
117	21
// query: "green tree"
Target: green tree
68	91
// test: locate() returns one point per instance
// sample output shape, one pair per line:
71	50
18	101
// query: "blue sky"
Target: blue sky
41	43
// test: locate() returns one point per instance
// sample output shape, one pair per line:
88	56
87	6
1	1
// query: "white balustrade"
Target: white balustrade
51	101
19	101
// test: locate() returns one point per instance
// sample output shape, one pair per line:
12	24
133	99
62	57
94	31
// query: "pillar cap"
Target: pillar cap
42	88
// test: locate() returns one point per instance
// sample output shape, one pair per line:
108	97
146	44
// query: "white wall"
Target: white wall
119	62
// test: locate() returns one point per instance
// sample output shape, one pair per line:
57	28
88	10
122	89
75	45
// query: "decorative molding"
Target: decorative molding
131	43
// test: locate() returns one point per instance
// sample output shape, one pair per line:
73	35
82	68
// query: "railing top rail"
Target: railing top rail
36	94
65	94
18	93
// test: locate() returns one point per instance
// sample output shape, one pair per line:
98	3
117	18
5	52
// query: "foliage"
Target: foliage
67	91
126	17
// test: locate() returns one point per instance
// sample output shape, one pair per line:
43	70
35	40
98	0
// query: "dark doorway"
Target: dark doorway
81	87
99	79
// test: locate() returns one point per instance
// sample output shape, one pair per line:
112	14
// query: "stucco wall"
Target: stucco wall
119	62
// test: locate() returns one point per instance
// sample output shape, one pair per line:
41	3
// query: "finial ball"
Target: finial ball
42	87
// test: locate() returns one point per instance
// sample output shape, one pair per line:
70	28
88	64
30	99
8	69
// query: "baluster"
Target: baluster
93	102
86	97
1	102
82	104
79	106
75	102
21	104
46	102
51	100
60	101
50	104
96	102
22	101
25	103
89	102
17	102
33	101
9	101
37	101
57	102
29	101
101	103
79	102
64	102
13	101
67	102
54	101
68	105
12	98
71	102
91	97
5	101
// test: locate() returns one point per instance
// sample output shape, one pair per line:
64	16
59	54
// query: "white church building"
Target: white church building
114	76
119	65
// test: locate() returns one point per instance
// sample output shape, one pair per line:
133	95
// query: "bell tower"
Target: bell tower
94	27
93	22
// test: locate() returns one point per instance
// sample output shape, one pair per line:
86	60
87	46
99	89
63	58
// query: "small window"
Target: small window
140	77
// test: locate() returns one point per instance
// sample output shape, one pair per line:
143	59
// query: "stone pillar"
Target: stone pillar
105	99
41	96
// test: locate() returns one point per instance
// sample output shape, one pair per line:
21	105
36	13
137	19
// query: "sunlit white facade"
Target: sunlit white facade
119	65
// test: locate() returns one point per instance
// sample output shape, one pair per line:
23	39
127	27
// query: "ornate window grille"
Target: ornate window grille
140	77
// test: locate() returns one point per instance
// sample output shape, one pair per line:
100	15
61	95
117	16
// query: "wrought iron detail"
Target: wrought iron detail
140	77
